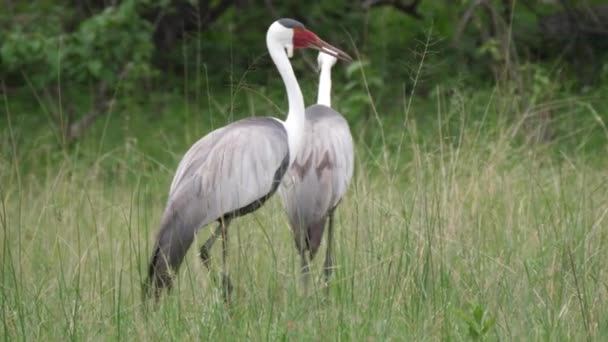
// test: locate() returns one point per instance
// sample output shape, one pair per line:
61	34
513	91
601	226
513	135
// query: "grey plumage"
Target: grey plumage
228	173
233	170
318	179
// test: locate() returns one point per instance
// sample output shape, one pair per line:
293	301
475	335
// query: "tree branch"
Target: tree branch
75	130
464	20
101	104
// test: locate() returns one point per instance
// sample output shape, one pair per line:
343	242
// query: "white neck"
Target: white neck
294	124
324	96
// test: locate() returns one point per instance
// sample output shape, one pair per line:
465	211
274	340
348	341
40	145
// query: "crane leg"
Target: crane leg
205	248
226	283
329	258
220	230
305	270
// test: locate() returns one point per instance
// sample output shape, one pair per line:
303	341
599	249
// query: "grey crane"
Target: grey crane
318	179
233	170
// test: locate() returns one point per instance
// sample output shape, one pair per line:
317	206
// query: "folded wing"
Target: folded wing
320	175
231	170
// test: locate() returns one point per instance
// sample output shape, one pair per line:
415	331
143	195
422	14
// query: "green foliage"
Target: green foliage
104	44
20	51
478	321
468	216
491	49
357	100
448	205
104	47
539	84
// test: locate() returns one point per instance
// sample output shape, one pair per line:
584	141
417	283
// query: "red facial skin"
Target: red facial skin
302	38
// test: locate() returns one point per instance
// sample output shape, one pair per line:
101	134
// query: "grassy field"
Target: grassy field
453	229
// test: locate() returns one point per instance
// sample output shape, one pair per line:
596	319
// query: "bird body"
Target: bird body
228	173
318	178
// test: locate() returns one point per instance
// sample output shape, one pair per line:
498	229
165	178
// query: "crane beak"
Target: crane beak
321	45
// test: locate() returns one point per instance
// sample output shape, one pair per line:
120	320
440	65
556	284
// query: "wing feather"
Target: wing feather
227	170
322	170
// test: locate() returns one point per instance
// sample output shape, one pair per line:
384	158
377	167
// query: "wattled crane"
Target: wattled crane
233	170
317	180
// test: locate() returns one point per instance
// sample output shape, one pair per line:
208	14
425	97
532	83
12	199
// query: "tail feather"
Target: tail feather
174	239
309	239
315	235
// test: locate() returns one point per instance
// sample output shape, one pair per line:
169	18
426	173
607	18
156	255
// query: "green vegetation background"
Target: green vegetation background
477	209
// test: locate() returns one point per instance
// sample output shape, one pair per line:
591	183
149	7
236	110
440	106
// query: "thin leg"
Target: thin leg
226	283
305	270
329	258
204	251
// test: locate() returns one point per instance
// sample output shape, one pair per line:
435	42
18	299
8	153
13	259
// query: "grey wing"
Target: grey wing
227	170
322	170
232	170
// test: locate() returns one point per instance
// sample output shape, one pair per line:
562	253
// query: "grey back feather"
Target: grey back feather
321	172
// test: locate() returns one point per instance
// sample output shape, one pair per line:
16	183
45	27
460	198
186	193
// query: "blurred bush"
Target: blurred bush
101	49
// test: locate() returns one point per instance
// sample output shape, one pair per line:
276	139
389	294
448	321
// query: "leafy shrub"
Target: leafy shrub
101	49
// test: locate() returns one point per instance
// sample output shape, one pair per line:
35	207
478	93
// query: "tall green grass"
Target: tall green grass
452	229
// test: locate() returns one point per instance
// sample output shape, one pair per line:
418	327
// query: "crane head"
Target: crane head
294	35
